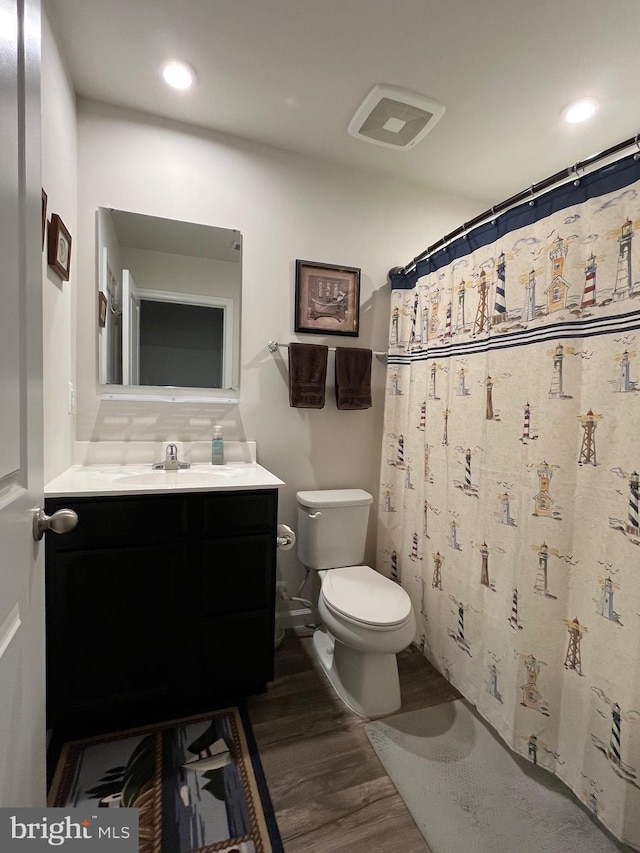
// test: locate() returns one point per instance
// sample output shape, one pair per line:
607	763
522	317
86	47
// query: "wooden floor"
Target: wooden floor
329	790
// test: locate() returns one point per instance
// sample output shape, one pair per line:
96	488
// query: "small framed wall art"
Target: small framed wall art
102	309
327	299
44	215
59	247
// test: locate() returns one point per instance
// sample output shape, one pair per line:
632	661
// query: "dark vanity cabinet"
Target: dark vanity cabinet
158	606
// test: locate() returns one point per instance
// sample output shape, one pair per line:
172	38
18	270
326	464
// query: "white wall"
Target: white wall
286	206
59	180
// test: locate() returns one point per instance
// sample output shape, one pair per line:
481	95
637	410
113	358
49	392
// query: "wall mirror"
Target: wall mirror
169	300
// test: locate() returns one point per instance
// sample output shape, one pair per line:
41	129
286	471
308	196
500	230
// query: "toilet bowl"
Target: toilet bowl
368	611
366	618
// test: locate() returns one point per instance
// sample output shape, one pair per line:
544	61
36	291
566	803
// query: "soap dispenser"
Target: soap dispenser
217	446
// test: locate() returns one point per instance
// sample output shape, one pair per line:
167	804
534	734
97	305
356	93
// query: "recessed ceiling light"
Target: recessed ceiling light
177	74
580	110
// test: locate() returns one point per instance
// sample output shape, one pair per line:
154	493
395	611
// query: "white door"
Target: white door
22	718
130	330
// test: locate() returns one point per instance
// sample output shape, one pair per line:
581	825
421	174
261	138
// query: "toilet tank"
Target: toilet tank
332	527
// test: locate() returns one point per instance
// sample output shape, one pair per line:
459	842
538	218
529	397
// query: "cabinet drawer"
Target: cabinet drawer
121	521
237	513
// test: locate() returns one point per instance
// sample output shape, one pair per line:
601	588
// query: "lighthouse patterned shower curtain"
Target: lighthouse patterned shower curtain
509	481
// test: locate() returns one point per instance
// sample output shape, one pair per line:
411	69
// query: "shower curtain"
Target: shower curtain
509	484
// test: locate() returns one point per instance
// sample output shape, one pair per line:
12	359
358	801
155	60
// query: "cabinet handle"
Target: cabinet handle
61	521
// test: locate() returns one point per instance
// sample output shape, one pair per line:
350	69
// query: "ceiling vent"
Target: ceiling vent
395	118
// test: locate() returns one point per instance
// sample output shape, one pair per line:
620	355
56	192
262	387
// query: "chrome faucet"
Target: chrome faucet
171	462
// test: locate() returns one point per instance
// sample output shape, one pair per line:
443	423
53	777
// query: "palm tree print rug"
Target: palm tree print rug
197	783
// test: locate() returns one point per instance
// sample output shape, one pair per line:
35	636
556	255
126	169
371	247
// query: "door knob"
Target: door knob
61	521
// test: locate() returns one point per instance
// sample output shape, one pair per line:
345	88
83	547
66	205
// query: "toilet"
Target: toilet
366	618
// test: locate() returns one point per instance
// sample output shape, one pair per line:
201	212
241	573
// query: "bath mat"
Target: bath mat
468	792
197	783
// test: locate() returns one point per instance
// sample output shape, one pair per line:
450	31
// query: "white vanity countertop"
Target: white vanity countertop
140	479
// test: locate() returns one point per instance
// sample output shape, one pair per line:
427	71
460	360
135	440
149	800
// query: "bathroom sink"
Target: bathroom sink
141	479
183	477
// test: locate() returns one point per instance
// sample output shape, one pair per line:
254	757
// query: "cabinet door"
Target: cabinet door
236	654
116	629
236	574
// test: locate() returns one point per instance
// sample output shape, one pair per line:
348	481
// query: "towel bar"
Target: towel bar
274	345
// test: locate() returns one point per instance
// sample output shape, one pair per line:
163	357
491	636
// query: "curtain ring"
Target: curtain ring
636	156
532	191
576	172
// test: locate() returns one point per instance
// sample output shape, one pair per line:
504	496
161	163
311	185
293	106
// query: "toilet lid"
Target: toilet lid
364	595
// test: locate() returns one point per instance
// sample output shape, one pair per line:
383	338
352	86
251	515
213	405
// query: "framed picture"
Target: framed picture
59	247
102	309
44	216
327	299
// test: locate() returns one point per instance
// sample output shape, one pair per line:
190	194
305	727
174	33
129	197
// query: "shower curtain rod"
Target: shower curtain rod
521	196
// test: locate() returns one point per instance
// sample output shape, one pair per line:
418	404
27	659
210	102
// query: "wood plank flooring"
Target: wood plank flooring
329	790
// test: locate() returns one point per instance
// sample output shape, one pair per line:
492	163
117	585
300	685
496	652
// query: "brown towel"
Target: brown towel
353	378
307	375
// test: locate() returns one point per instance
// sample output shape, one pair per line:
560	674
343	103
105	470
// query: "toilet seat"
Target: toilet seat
361	595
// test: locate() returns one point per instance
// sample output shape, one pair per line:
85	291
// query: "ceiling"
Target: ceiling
291	73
